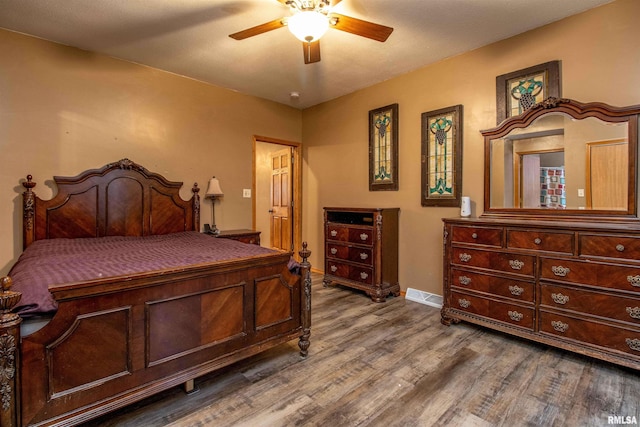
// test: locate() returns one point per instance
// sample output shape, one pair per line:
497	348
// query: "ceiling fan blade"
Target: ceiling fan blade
311	52
258	29
361	28
335	2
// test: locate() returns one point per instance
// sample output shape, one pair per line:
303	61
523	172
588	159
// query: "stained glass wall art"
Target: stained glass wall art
383	148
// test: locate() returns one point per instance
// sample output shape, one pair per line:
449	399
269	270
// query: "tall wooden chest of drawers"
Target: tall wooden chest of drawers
572	285
361	250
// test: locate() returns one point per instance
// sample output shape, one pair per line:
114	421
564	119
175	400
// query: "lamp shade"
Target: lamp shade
214	189
309	25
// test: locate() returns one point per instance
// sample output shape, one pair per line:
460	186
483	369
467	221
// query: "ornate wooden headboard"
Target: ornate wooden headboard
120	199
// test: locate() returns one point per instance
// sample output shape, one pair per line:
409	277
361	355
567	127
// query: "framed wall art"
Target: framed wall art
442	157
383	148
520	90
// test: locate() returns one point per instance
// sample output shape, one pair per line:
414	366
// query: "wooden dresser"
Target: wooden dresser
361	250
245	236
572	285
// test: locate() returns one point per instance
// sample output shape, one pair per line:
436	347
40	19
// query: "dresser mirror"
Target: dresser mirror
563	158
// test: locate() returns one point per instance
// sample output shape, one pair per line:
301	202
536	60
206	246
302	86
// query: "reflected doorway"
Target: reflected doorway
540	180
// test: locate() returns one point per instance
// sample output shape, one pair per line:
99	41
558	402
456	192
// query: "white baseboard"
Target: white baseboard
424	297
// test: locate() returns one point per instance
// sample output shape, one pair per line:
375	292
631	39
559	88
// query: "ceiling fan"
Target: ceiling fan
310	20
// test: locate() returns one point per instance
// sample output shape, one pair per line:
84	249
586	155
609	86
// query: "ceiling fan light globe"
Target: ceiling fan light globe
308	26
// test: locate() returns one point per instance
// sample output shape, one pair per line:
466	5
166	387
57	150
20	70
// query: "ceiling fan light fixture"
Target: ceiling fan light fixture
308	25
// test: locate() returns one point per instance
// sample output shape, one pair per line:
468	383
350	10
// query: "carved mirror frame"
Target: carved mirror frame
575	110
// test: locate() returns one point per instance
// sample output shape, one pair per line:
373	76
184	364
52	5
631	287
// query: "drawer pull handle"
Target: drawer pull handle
334	251
560	299
465	257
634	280
559	270
334	233
334	268
515	316
633	343
464	303
363	256
537	241
559	326
516	264
363	275
464	280
634	312
516	290
474	235
620	248
364	236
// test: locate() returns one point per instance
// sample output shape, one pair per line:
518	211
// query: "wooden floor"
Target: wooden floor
394	364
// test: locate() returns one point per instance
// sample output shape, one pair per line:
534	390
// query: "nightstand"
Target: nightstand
245	236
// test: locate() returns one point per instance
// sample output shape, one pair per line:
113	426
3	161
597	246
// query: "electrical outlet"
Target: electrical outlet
580	192
246	193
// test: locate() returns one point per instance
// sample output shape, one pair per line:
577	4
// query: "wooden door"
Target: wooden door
530	181
281	182
607	170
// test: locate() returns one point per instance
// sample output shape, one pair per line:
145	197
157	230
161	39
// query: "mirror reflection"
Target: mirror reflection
561	163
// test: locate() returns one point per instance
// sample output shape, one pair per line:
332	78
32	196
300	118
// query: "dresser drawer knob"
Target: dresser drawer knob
464	280
633	343
516	264
537	241
560	299
559	270
465	257
515	316
364	255
620	248
634	280
559	326
474	235
334	268
334	233
364	236
634	312
363	275
334	251
516	290
464	303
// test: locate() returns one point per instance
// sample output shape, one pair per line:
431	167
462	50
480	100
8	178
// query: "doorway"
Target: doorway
277	176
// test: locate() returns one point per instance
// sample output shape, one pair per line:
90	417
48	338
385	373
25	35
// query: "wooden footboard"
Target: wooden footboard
114	342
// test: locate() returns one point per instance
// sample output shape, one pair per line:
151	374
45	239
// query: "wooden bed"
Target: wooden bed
116	340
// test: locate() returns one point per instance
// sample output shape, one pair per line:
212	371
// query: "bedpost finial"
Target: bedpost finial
304	253
29	184
195	188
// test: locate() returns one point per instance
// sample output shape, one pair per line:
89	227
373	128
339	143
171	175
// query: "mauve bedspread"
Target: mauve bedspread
58	261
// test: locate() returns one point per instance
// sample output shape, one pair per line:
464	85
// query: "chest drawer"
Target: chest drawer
358	235
625	278
618	338
504	312
354	254
541	241
356	273
506	262
489	236
610	246
505	287
590	302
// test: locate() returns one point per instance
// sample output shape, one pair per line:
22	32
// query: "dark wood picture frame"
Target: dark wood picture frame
383	148
549	88
441	174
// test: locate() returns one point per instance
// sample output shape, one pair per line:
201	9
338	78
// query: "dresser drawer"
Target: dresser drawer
355	254
618	277
541	241
506	262
611	337
610	246
352	272
363	236
510	288
502	311
590	302
489	236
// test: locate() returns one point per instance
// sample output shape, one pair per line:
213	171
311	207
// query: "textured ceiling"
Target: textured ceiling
190	38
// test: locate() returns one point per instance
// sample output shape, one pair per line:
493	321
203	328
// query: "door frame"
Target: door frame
296	170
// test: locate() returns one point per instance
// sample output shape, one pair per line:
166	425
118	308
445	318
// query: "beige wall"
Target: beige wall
600	62
63	110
